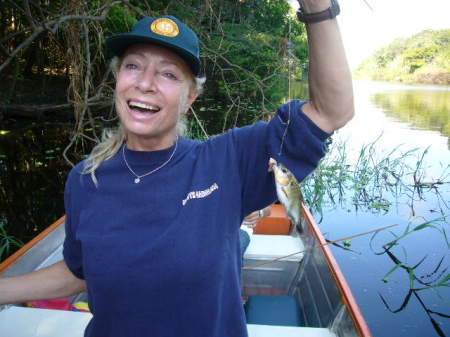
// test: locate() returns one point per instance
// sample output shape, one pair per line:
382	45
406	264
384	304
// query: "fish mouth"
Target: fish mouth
272	163
143	107
279	172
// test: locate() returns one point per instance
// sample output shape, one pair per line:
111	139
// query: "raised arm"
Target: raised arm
52	282
330	83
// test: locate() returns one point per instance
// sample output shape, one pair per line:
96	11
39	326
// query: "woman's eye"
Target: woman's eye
131	66
170	76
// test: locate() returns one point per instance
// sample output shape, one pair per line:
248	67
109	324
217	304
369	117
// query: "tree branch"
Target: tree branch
29	110
24	44
53	26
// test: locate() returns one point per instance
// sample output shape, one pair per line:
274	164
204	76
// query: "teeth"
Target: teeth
143	106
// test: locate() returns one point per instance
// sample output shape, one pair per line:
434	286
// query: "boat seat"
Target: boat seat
57	323
257	330
268	247
273	310
28	322
277	223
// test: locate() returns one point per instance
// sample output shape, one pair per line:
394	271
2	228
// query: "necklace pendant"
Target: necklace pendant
137	180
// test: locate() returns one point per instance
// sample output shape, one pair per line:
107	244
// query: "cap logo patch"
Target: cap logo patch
165	27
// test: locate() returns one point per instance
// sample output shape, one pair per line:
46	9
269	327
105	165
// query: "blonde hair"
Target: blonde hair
112	139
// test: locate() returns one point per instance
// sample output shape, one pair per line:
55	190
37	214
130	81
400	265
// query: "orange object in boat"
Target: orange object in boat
277	223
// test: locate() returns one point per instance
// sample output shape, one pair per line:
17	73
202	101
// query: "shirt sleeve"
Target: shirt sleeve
72	247
290	138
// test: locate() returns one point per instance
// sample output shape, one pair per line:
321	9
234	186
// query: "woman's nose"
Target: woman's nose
146	81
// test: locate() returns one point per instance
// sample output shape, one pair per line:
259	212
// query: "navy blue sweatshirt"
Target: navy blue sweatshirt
161	258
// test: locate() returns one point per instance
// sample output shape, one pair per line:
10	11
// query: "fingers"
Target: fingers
249	224
253	217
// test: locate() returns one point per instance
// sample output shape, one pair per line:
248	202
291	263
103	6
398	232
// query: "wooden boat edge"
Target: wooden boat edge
23	250
347	295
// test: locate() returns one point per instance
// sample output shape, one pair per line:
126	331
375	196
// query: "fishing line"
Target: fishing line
289	62
199	122
316	247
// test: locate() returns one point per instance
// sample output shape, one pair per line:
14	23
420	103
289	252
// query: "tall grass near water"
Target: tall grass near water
379	182
373	180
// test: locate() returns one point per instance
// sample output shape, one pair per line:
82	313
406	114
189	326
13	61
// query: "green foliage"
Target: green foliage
120	19
8	242
243	49
373	181
422	58
243	57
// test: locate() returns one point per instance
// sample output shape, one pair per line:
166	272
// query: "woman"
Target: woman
152	217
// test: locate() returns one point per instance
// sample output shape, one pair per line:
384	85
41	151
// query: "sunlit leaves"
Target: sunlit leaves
422	58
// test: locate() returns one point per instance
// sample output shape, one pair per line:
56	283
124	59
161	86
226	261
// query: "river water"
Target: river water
32	175
402	117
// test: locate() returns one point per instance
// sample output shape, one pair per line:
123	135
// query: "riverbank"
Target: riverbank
436	78
420	59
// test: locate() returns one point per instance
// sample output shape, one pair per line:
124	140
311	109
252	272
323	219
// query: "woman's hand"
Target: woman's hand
252	219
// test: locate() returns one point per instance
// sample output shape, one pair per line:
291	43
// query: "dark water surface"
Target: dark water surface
32	175
403	117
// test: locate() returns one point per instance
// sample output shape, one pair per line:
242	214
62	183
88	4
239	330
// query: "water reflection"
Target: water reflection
423	109
403	118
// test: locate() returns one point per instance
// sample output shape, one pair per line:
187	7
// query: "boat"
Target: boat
286	292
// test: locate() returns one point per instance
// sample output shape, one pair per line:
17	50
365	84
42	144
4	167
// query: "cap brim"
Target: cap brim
119	43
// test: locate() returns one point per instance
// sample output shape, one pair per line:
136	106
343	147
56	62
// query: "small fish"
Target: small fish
289	193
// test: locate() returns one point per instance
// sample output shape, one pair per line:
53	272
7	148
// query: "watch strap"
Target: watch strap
327	14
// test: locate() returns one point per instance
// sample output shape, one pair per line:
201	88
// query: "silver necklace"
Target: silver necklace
137	180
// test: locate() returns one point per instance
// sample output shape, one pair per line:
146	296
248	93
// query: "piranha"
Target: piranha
289	193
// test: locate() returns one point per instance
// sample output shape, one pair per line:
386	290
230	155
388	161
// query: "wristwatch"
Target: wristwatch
327	14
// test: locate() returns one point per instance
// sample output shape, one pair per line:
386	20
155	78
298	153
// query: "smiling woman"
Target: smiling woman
152	91
153	218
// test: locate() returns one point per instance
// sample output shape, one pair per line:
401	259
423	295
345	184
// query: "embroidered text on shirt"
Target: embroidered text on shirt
200	194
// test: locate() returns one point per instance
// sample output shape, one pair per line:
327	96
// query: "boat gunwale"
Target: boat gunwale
345	290
11	260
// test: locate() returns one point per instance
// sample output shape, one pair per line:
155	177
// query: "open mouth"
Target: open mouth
142	107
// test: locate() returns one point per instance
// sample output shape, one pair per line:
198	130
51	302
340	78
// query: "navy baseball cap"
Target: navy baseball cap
166	31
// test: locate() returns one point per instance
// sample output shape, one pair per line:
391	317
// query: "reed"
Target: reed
8	243
377	182
435	280
374	181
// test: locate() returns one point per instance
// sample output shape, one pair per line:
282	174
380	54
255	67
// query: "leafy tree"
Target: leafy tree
422	58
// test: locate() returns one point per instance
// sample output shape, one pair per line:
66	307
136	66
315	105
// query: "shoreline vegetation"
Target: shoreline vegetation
55	64
423	58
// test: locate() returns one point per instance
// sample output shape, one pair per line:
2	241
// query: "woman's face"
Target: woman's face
152	89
